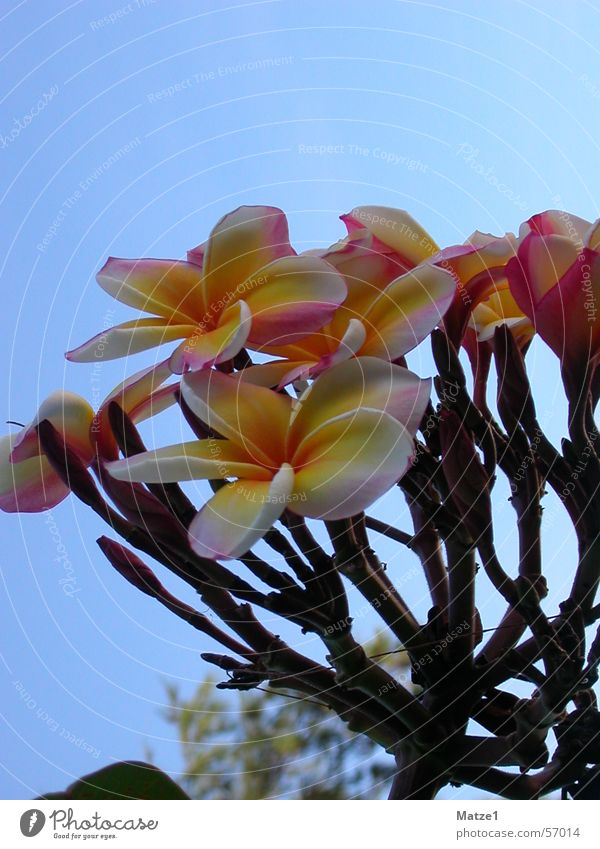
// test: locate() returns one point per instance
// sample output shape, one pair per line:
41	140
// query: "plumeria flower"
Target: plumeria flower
244	287
484	299
479	267
395	295
28	483
497	308
555	280
328	455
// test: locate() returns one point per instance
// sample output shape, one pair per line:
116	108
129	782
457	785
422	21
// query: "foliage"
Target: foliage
268	744
126	780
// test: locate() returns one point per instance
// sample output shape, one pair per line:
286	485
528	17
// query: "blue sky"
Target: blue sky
129	129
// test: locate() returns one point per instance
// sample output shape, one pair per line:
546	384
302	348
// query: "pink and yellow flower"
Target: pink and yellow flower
555	280
395	295
28	483
244	286
482	297
497	308
328	455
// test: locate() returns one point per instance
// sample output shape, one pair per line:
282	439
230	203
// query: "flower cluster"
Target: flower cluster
293	365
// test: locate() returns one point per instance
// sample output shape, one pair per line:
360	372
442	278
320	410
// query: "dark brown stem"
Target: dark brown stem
330	585
505	637
362	568
417	777
426	545
278	542
461	606
356	671
389	531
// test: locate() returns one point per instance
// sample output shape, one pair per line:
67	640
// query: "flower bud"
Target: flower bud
515	403
131	567
68	465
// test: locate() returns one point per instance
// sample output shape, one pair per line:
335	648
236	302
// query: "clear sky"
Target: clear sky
128	129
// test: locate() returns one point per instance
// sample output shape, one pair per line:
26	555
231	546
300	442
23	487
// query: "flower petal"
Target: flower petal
70	414
352	341
283	372
253	417
196	255
360	383
30	485
274	374
170	288
239	515
366	265
349	463
396	229
204	349
497	309
131	337
479	267
541	261
206	459
138	387
557	222
240	244
480	253
136	396
291	298
592	237
406	312
567	316
520	326
155	403
310	348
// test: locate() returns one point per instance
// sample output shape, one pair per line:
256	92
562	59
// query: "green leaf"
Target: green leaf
125	780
